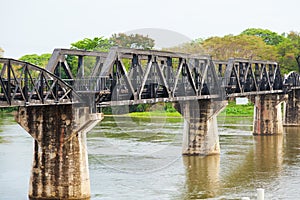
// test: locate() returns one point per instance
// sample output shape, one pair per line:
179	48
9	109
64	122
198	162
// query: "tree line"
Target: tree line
252	43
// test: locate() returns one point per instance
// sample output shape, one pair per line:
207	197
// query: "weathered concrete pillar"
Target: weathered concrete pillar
60	162
267	115
200	135
292	109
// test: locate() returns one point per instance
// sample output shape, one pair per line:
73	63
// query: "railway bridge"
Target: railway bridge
58	105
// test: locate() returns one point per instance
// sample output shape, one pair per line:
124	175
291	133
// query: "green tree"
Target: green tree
136	41
240	46
294	37
39	60
95	44
269	37
288	47
289	52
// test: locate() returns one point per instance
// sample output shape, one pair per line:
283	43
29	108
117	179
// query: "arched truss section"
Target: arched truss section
23	84
292	79
246	76
138	75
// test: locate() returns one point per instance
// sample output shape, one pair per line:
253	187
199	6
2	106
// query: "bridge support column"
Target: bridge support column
60	162
200	135
267	115
292	109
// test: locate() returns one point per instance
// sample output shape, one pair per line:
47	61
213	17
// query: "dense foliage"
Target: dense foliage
252	43
39	60
260	44
240	46
95	44
136	41
269	37
287	46
121	39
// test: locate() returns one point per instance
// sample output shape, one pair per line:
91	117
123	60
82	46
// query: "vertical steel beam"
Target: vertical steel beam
80	68
9	82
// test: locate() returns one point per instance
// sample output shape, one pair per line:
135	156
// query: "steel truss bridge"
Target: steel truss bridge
132	76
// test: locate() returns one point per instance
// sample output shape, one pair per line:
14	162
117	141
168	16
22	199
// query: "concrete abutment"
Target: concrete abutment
60	161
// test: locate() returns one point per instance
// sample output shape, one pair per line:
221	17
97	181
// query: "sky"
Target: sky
39	26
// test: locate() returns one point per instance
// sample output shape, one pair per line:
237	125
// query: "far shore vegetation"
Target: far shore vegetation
166	110
162	110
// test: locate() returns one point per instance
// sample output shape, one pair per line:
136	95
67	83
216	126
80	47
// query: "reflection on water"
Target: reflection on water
292	146
136	158
268	153
202	176
259	167
241	168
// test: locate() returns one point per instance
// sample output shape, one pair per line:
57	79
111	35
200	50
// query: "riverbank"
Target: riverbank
231	110
234	110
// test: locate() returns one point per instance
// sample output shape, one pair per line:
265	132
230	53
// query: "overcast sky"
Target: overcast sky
39	26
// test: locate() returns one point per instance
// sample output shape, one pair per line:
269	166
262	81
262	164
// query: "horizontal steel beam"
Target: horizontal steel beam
156	100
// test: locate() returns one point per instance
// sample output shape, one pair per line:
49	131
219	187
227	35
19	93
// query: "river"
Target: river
136	158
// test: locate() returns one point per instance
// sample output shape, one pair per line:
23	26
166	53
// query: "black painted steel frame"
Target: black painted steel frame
24	84
133	76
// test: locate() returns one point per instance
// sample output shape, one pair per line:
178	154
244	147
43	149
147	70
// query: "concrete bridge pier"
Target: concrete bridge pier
200	135
60	161
292	109
268	114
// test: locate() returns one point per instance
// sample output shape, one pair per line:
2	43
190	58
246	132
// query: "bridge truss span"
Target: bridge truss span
24	84
292	80
132	76
148	76
242	77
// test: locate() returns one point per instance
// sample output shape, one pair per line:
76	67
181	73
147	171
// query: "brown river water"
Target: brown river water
138	158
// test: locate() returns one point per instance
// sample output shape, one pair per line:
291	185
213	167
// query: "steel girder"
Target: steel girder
24	84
